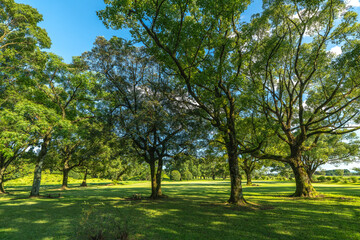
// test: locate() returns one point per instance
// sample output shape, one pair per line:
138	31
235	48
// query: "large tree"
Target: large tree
20	41
66	89
307	91
201	42
138	96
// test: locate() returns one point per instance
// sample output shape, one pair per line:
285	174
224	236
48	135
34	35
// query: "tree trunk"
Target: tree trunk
236	195
310	174
152	179
65	178
155	180
158	178
121	173
213	176
35	190
248	178
304	187
2	173
83	184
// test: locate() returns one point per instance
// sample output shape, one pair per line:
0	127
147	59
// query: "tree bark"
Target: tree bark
35	190
236	195
158	178
2	173
248	178
84	184
155	182
65	178
304	187
152	179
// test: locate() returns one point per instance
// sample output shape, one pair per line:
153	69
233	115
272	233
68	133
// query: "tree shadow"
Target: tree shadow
192	211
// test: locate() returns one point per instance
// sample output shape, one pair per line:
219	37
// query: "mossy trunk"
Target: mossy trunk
304	188
84	184
35	190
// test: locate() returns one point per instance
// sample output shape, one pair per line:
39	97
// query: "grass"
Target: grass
194	210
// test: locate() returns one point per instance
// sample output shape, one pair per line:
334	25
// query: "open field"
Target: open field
194	210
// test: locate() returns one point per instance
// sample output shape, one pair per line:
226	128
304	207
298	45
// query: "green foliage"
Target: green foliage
165	177
336	179
354	179
322	179
187	175
175	175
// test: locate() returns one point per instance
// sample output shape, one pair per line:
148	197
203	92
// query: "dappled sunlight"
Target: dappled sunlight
191	211
22	203
217	223
41	221
8	230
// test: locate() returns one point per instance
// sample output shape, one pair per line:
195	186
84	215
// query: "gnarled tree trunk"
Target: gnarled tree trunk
304	187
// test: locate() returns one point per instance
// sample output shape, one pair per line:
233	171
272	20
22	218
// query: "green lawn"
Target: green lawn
194	210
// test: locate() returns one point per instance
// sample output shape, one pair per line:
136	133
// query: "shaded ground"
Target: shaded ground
194	210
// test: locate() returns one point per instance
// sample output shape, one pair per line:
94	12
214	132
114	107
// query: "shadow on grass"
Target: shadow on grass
192	211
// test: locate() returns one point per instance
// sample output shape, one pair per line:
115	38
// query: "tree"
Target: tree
357	170
201	42
136	93
248	164
330	149
76	146
307	91
20	40
20	125
66	89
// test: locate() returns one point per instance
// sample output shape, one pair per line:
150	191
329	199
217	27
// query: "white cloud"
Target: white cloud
353	3
336	50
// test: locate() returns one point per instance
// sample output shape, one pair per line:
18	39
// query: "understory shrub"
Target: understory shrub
354	179
175	175
187	175
322	179
98	225
336	179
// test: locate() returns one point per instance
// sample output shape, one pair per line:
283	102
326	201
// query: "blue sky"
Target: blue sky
73	26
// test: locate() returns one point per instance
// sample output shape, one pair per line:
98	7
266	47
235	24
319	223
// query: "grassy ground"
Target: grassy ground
194	210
